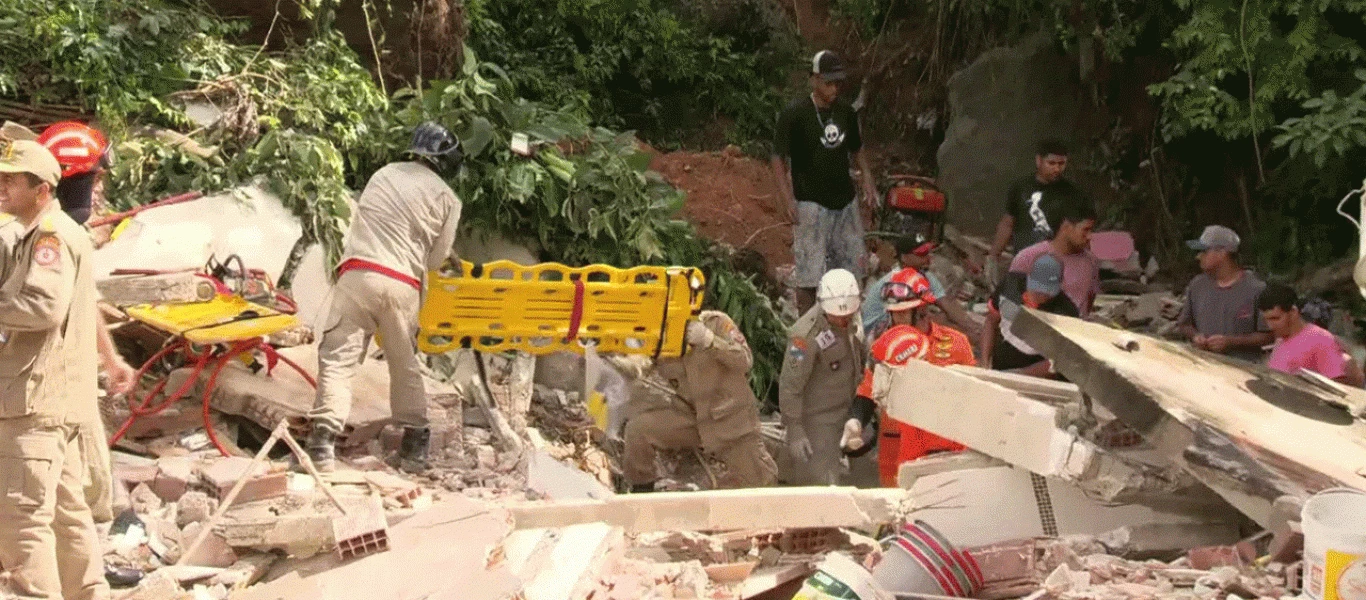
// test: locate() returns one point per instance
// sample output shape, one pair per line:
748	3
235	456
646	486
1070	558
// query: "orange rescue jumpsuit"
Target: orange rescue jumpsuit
900	442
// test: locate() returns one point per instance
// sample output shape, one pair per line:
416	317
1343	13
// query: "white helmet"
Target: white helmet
838	293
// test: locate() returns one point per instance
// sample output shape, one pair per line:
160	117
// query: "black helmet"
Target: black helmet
438	146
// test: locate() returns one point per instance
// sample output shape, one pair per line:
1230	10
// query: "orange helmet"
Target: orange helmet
907	289
79	148
900	345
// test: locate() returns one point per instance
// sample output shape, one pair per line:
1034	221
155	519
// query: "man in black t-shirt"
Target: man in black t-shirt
1032	198
816	137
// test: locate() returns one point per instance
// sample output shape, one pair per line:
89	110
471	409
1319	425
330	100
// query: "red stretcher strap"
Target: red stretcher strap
357	264
576	314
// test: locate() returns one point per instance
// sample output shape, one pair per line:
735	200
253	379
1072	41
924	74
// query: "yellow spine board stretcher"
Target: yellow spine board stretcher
502	306
226	318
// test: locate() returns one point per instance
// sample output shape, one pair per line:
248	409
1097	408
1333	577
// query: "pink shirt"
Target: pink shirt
1313	348
1080	273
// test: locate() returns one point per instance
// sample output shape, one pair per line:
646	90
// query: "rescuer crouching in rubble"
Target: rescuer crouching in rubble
913	336
821	370
712	407
404	226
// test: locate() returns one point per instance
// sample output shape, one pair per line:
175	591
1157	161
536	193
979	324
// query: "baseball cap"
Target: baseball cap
1215	236
1045	277
27	156
829	66
916	244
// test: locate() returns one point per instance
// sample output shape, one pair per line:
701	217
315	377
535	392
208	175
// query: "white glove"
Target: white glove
698	334
799	447
853	435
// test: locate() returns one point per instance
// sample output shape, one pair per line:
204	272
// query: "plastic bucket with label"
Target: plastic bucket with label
1334	523
838	577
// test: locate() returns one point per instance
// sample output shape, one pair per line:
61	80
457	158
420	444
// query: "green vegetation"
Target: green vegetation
645	65
311	124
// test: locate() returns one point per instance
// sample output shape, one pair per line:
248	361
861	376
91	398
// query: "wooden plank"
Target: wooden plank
1250	433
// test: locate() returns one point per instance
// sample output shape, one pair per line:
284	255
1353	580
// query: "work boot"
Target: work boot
412	451
321	449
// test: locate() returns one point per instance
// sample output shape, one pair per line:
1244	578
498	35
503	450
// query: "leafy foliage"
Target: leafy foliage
117	57
637	63
310	124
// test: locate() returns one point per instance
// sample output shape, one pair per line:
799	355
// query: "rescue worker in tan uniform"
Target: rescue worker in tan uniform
83	158
821	371
713	408
48	382
404	226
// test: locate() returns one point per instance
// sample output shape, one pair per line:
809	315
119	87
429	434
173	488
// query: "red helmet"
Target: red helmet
79	148
907	289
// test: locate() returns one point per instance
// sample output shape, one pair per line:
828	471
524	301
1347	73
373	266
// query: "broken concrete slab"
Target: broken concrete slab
456	540
723	510
275	524
213	552
166	288
1024	432
558	481
1241	429
980	507
558	564
249	222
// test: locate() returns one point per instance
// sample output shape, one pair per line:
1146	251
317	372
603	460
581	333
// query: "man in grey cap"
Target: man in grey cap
1221	314
1040	289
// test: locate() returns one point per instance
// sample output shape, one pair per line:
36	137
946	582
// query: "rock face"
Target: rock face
1001	106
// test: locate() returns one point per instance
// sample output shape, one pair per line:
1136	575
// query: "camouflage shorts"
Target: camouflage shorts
825	239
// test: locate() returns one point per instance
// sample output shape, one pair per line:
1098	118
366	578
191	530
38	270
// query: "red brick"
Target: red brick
224	473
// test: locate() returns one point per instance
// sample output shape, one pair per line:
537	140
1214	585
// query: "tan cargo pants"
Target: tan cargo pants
363	303
99	477
676	428
48	540
825	467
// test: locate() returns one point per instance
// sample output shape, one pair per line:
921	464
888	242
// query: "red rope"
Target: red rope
237	348
201	361
145	408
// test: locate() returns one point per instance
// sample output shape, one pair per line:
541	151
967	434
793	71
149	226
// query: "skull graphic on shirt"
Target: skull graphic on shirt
832	137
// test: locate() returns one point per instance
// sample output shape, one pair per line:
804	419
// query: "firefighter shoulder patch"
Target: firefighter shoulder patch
47	252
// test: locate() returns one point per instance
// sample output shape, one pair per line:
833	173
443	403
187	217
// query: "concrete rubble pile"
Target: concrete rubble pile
1141	479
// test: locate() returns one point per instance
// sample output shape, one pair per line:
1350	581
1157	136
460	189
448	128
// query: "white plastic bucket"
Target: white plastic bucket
838	577
1334	523
921	561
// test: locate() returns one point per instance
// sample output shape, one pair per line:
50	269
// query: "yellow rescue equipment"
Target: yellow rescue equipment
226	318
539	309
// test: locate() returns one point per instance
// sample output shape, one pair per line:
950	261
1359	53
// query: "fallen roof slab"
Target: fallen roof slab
1029	433
723	510
1247	432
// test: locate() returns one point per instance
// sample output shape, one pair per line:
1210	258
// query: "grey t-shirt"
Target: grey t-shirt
1214	310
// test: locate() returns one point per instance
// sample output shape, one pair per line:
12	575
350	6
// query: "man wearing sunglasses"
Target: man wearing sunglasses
912	336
